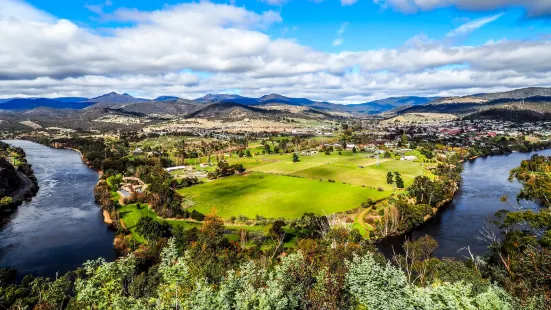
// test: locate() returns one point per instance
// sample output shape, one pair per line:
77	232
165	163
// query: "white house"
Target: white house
409	158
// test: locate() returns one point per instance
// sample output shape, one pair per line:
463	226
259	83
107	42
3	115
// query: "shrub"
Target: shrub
150	229
196	215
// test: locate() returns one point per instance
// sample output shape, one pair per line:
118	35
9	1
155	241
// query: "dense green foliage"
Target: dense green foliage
412	208
152	230
201	269
535	176
224	169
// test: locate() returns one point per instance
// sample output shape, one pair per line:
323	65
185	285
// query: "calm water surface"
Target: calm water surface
484	181
61	227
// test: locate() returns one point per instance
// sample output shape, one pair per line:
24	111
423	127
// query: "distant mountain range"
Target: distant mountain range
372	107
116	100
533	102
28	104
114	97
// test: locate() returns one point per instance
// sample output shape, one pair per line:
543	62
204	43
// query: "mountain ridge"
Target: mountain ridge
537	97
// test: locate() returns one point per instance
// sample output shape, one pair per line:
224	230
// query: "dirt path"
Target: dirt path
361	219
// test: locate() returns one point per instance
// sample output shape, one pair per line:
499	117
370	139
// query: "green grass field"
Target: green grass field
344	168
131	214
276	196
276	187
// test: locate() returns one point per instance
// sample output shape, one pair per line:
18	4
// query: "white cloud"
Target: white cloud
275	2
339	40
342	29
348	2
98	8
473	25
20	10
534	8
222	47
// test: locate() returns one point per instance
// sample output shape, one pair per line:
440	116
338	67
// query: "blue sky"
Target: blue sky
315	24
343	51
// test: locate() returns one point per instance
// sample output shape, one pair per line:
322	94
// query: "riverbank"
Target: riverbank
82	157
456	185
28	184
458	223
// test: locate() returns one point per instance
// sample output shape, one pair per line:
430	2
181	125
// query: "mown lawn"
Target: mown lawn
131	214
283	164
276	196
370	175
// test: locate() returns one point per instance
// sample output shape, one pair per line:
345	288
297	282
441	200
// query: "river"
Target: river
458	224
62	227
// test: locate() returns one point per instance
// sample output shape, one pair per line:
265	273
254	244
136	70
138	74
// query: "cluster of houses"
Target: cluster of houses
463	133
138	151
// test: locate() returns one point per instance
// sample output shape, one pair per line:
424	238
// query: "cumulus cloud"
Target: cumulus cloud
473	25
222	47
222	38
534	8
20	10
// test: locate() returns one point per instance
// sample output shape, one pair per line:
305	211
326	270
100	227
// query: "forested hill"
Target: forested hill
518	105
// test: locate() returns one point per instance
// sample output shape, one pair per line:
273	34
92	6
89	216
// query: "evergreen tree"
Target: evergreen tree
404	140
399	181
389	178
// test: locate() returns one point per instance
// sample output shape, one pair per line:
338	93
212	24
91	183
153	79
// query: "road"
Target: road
25	187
